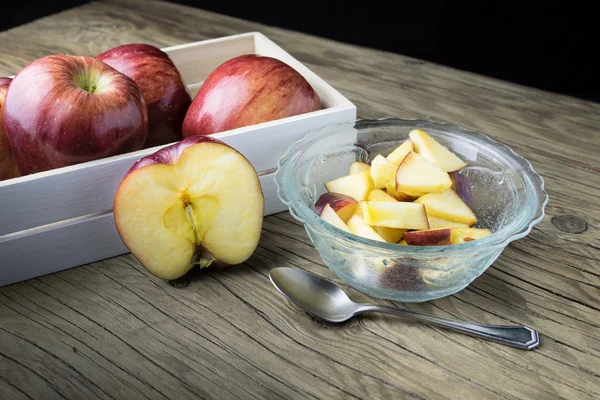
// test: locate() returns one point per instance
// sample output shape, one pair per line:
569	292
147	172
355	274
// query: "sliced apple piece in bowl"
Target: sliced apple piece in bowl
358	166
380	195
417	176
329	215
435	152
382	171
400	152
449	206
462	235
429	237
402	215
343	205
360	228
190	204
357	186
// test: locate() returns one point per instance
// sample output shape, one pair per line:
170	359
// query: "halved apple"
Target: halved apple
360	228
429	237
359	166
343	205
417	176
403	215
434	151
449	206
435	223
329	215
400	152
357	186
189	204
462	235
380	195
382	171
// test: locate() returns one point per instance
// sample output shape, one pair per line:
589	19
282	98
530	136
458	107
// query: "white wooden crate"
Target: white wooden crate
63	218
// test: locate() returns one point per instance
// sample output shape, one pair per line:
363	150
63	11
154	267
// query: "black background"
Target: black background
544	45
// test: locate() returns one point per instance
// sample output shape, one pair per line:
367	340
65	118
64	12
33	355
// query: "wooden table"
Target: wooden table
109	330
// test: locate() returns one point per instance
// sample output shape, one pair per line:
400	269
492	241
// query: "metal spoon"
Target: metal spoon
329	302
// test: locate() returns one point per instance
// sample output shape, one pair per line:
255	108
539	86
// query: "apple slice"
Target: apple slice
462	187
462	235
380	195
449	206
400	152
434	151
390	188
382	171
429	237
403	215
329	215
435	223
189	204
358	227
403	242
358	166
390	235
356	186
417	176
343	205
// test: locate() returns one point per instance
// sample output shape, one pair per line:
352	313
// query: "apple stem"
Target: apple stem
203	259
92	88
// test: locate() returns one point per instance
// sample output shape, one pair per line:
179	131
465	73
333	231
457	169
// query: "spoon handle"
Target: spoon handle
516	336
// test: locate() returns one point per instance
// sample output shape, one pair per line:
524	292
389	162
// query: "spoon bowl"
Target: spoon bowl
328	301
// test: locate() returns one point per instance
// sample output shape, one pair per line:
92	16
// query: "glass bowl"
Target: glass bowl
508	196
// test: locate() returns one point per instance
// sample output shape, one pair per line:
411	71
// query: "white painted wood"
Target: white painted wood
89	188
66	244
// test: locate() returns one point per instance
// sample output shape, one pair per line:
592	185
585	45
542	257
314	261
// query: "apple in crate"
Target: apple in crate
62	110
165	94
8	165
190	204
248	90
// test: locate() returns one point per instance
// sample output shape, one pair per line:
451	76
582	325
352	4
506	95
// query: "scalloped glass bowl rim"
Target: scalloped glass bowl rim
515	230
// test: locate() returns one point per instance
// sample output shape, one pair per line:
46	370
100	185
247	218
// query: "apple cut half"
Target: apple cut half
417	176
329	215
360	228
434	151
449	206
356	186
429	237
400	152
190	204
403	215
343	205
358	167
382	171
462	235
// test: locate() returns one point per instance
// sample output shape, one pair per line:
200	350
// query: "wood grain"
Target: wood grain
110	330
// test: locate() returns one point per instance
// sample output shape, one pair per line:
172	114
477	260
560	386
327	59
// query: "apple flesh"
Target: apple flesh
341	204
359	228
382	171
62	110
8	165
417	176
248	90
435	152
380	195
400	152
402	215
429	237
190	204
462	235
333	218
162	87
357	186
449	206
358	166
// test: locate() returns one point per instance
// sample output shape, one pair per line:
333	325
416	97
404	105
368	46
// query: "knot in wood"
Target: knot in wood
569	223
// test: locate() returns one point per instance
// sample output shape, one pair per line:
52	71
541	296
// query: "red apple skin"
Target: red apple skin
51	122
8	165
248	90
164	91
430	237
335	200
462	187
170	154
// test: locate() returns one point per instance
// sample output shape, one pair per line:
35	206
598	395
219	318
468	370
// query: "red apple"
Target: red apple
344	206
62	110
247	90
165	94
193	203
8	165
462	187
